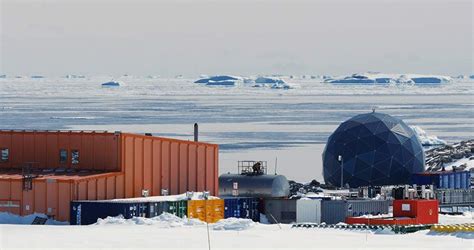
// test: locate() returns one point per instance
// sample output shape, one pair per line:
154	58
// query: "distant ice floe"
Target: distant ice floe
111	84
389	79
259	82
274	83
74	76
36	77
425	139
221	80
73	117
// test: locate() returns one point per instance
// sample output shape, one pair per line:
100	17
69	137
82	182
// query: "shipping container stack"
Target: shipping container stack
336	211
451	188
212	210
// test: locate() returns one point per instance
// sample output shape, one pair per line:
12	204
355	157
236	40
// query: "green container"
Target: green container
178	208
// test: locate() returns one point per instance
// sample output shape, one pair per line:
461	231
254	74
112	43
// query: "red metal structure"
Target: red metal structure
424	211
42	171
405	212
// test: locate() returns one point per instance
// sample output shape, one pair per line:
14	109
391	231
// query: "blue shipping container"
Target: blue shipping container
241	207
88	212
443	180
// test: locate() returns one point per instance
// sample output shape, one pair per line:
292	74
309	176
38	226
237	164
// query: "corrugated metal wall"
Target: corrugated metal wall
444	180
455	196
97	150
155	163
51	195
333	211
308	211
280	210
364	207
132	163
242	207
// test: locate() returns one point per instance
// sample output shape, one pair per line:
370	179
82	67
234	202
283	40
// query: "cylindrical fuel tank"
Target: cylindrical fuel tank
261	186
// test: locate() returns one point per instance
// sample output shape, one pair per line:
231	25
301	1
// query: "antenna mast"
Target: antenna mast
276	165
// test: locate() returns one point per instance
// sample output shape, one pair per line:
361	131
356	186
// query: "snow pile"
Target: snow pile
178	197
236	224
376	216
446	219
371	78
425	139
165	220
8	218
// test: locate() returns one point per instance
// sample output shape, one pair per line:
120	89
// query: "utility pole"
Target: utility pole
341	160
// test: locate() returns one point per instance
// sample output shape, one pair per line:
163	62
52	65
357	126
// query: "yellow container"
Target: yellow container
206	210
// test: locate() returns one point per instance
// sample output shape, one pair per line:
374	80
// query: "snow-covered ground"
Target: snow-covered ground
170	232
248	123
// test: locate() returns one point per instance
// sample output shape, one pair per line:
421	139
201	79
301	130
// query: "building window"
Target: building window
63	156
75	156
5	154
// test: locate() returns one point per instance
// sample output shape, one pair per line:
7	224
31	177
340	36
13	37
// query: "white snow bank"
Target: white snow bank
178	197
167	220
446	219
237	224
164	220
377	216
8	218
425	139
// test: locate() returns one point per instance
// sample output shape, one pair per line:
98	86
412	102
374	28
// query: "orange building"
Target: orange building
42	171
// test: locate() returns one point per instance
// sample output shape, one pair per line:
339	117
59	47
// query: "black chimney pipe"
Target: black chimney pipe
196	132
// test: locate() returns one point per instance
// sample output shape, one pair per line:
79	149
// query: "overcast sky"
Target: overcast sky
236	37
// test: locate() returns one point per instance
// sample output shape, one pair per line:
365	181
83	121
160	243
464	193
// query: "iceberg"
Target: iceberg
389	79
74	76
269	80
228	83
217	79
284	85
37	77
111	84
220	80
273	83
3	76
425	139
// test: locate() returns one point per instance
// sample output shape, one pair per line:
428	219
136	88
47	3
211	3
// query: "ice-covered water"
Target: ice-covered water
248	123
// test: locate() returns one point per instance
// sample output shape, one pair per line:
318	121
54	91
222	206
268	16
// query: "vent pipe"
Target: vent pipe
196	132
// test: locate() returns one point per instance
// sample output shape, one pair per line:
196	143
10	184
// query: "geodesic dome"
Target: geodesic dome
377	149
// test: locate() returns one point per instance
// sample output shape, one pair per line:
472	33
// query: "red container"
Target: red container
381	221
424	211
